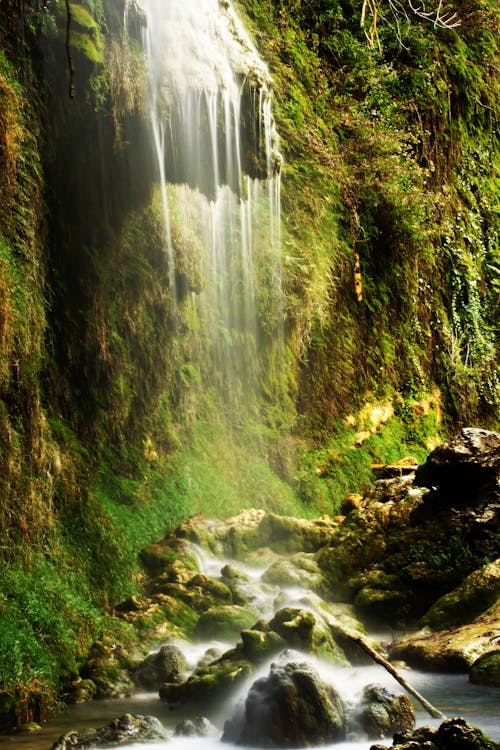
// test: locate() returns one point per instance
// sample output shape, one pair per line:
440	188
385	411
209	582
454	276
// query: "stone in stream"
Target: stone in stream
486	669
381	712
199	726
453	734
225	621
292	707
451	650
167	665
121	731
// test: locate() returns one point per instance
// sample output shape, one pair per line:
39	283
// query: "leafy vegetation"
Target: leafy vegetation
111	427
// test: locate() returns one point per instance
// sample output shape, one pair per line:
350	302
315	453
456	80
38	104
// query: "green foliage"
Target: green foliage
46	624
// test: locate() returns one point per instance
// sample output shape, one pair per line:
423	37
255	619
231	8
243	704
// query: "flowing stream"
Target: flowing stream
452	694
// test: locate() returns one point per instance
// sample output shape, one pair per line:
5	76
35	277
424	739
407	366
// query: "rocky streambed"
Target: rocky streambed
259	631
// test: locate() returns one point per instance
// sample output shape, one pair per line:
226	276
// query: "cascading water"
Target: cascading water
218	167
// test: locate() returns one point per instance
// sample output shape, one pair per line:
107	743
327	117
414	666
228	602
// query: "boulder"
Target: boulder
463	471
453	650
209	683
486	669
166	665
475	594
300	569
453	734
81	691
225	622
199	726
162	616
291	707
381	712
121	731
295	626
252	529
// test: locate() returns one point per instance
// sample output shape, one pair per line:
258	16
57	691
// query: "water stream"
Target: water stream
451	693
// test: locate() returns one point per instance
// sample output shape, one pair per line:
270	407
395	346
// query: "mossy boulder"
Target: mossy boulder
453	650
299	570
161	556
197	590
476	593
166	665
198	726
295	626
225	622
258	645
124	730
381	712
81	691
291	707
486	669
210	683
453	734
162	617
109	668
253	529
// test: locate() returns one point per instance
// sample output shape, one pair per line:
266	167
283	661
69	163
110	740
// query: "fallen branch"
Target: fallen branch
387	665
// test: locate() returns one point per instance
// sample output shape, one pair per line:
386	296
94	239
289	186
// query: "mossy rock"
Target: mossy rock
225	622
161	556
209	683
382	712
295	626
162	617
258	645
453	650
198	591
299	570
486	669
475	594
81	691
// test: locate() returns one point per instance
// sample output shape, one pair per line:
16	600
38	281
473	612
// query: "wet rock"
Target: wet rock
299	570
198	591
453	650
225	622
211	654
454	734
209	683
291	707
253	529
167	665
463	471
81	691
159	557
109	668
295	626
382	712
475	594
121	731
486	669
258	645
197	727
162	617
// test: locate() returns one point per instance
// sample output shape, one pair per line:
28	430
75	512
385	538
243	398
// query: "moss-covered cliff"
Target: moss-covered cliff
111	427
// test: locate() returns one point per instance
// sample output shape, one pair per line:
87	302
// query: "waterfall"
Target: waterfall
218	168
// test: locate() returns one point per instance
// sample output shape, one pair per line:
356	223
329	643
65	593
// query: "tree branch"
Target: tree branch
387	665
